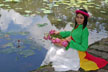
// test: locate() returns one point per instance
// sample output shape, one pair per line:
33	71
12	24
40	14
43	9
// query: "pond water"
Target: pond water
24	22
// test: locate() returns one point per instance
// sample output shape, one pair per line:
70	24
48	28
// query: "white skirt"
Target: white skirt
62	60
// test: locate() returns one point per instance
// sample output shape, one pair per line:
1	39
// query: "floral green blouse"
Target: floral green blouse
80	37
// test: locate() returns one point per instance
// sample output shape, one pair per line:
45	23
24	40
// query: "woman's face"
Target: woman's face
79	18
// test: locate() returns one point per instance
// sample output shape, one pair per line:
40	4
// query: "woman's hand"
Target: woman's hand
68	38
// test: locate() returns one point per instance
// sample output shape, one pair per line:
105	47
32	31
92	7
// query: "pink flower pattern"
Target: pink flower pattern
51	32
64	43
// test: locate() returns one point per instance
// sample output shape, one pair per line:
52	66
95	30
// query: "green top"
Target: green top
79	35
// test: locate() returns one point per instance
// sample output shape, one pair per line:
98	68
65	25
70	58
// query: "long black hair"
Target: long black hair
85	19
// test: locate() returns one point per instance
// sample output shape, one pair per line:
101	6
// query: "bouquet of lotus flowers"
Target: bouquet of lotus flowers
55	39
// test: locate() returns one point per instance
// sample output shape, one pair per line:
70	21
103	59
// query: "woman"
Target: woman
75	55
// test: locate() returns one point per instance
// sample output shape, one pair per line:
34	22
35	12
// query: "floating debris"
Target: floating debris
6	35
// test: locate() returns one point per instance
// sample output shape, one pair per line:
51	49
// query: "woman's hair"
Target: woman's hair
85	19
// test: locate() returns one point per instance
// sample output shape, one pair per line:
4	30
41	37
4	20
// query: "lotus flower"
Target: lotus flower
51	32
57	40
46	38
64	43
49	37
53	41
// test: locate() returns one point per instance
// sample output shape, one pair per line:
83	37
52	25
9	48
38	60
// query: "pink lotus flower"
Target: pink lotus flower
51	32
53	41
49	37
46	38
57	40
64	43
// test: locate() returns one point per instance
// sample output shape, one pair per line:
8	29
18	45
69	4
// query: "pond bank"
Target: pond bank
98	49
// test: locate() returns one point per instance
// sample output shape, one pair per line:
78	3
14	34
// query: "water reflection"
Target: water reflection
61	11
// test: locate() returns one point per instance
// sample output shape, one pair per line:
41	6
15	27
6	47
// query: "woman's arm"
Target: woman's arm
84	43
65	34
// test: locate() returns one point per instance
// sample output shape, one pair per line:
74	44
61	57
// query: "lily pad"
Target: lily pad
41	25
47	11
27	53
23	33
19	8
7	51
56	5
85	6
59	19
1	5
7	5
106	1
97	7
82	2
8	45
37	12
43	9
90	3
26	15
27	11
12	0
91	6
50	5
45	0
102	11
